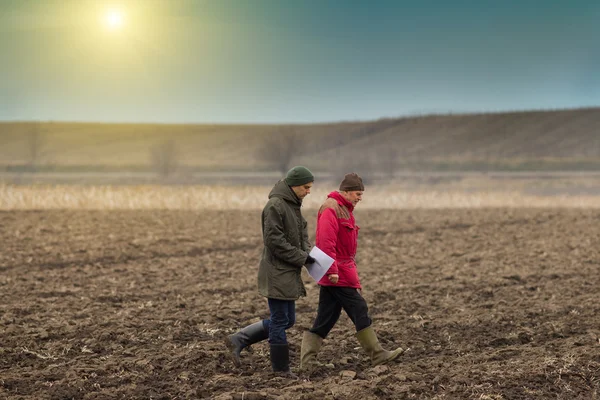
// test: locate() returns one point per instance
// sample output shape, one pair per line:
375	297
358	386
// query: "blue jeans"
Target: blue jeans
283	316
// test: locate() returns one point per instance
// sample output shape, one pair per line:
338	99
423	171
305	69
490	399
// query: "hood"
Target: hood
283	191
341	200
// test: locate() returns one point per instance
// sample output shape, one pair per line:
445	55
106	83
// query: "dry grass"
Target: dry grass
39	197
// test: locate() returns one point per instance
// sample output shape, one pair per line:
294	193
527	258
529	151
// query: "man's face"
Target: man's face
354	196
303	190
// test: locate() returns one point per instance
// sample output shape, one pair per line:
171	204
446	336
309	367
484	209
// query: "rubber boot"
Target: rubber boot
249	335
280	360
311	344
369	342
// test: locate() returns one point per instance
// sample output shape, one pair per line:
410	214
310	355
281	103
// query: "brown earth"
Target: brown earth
493	304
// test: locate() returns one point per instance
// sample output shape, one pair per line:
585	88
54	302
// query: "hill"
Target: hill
532	140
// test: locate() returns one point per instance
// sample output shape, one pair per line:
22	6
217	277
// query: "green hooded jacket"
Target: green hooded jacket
286	245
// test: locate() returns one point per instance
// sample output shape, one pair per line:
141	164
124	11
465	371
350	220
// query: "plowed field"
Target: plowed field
492	304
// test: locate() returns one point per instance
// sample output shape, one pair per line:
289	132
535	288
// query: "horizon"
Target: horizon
425	115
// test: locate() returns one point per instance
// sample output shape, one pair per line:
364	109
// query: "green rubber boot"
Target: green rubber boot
369	342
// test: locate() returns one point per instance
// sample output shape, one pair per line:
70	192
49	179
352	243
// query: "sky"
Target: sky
300	61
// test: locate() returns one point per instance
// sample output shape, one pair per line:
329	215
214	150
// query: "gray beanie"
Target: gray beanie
299	176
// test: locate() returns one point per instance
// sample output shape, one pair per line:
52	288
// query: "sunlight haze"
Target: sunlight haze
114	19
227	61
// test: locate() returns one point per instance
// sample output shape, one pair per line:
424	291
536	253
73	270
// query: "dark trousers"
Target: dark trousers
331	302
283	316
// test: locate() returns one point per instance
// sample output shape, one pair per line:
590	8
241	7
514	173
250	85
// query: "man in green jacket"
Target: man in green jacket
286	248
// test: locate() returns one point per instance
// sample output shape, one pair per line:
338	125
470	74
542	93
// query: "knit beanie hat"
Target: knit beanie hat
299	176
351	183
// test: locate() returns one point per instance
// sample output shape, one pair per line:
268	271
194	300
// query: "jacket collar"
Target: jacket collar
337	196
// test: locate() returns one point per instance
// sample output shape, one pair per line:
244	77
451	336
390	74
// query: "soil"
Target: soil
492	304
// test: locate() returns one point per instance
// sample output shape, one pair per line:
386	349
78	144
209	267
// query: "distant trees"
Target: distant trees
357	150
34	152
279	149
164	158
388	160
342	162
34	148
342	151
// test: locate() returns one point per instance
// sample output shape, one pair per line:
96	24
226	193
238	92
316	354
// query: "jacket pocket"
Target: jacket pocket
347	225
284	280
347	237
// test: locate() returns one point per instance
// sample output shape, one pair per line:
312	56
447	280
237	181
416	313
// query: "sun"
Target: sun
114	19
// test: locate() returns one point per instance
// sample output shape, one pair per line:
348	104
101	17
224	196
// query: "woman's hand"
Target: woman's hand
333	278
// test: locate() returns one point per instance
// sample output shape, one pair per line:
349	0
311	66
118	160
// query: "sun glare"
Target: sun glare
114	19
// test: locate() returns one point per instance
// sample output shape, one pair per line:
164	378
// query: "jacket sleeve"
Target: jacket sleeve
275	239
327	233
307	244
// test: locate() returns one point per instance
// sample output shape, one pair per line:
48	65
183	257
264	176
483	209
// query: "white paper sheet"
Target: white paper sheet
318	269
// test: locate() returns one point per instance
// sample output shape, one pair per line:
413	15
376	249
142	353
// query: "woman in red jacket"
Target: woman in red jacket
337	235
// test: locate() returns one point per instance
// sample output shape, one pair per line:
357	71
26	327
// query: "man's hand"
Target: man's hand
333	278
309	260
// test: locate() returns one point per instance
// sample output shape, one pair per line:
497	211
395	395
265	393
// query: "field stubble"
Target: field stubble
450	191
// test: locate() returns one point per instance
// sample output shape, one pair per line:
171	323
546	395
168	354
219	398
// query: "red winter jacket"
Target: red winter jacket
337	236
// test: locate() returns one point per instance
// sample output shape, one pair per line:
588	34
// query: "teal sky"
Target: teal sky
253	61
